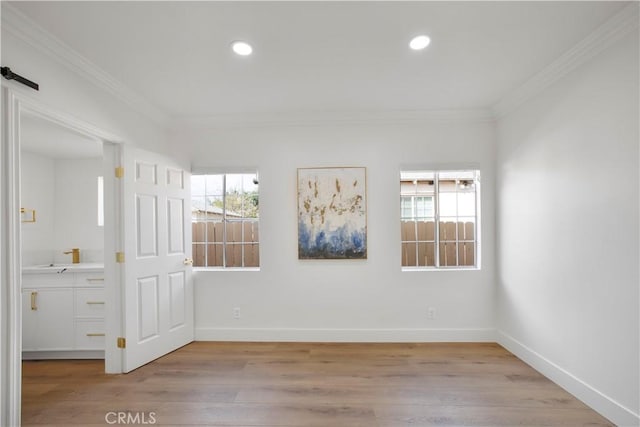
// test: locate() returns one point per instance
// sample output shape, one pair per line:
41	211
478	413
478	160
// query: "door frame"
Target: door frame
14	103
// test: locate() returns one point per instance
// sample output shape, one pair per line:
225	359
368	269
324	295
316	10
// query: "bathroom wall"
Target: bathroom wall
38	192
64	193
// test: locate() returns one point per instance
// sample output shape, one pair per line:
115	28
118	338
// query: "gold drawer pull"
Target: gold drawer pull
96	279
95	302
33	301
94	335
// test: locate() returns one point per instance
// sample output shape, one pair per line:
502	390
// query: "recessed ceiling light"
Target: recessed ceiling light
241	48
419	42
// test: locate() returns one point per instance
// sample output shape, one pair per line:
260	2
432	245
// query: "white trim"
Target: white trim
226	269
4	367
407	269
440	167
12	375
592	397
345	335
616	27
113	272
63	355
34	107
20	26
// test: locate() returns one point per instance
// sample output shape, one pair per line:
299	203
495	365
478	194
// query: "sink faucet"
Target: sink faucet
75	255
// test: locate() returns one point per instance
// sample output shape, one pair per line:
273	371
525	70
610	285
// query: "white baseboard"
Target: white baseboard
601	403
345	335
70	354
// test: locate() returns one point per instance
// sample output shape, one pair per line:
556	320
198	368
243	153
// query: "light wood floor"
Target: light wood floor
301	384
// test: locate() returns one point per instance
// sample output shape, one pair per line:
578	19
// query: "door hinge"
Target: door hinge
119	172
119	257
122	342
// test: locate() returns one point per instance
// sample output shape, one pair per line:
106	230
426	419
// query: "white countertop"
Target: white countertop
84	267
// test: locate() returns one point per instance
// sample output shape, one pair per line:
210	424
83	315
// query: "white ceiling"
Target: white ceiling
52	140
319	56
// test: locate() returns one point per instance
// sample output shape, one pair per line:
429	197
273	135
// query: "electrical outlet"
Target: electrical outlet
236	313
431	313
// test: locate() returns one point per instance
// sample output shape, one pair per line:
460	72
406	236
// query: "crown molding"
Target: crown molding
619	25
332	118
20	26
615	28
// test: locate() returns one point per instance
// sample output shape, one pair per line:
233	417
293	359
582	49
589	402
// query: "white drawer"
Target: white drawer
89	303
89	335
47	280
89	279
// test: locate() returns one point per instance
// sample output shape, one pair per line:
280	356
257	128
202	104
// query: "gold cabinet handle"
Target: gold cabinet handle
95	302
98	279
33	301
188	261
95	334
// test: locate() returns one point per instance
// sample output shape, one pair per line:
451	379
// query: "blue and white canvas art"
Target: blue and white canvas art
332	213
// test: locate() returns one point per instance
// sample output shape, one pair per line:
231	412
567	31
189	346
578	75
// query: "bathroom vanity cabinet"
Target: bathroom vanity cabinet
63	312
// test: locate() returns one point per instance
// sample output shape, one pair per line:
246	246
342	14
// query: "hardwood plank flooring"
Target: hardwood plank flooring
305	384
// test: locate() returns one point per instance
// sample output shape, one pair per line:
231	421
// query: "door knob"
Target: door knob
188	261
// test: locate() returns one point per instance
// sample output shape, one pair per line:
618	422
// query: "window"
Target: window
439	214
224	212
100	201
417	207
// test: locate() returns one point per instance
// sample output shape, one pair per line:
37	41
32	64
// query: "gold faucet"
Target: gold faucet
75	255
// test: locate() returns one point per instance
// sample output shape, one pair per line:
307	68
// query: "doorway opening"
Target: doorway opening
19	118
62	236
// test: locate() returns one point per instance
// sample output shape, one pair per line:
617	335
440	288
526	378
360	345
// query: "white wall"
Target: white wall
38	192
568	232
357	300
64	193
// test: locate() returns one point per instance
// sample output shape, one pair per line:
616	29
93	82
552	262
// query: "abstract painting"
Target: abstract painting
332	213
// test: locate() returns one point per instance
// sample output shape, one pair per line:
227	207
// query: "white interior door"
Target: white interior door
158	288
